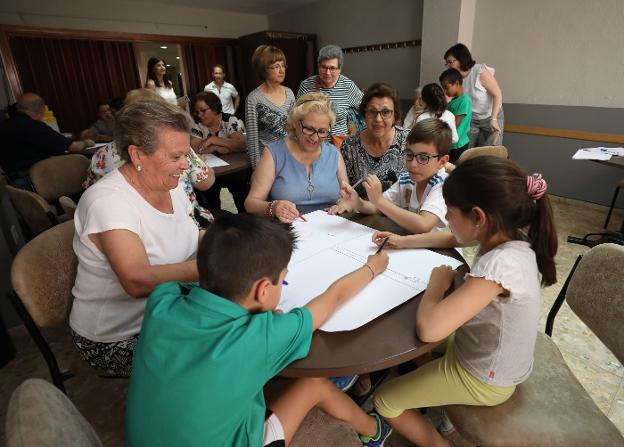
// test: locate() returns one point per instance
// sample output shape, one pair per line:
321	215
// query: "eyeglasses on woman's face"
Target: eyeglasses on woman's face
309	131
422	158
329	68
372	114
277	66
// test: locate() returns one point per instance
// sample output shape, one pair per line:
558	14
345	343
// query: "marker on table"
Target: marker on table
383	244
302	218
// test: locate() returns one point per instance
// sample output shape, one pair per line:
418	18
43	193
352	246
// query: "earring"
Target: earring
138	168
477	225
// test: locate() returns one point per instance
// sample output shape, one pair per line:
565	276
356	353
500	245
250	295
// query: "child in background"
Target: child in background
415	200
460	106
435	107
206	351
495	312
414	111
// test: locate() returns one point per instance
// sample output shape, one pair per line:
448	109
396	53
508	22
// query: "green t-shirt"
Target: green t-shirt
200	365
462	105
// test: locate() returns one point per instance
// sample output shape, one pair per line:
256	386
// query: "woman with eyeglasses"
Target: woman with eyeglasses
380	148
302	172
267	107
486	127
341	90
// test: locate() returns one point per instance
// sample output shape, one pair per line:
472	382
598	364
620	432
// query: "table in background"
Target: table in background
238	161
617	162
235	177
388	340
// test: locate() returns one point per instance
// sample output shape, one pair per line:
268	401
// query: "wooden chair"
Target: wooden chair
40	415
552	408
498	151
42	275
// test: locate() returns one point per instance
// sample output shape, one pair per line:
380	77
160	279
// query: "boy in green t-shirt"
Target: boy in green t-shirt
460	106
206	350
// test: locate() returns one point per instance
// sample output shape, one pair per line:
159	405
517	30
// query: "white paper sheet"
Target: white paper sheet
330	247
213	161
598	153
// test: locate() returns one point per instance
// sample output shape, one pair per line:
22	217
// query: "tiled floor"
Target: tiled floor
102	400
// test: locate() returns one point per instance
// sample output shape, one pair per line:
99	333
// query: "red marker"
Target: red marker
302	218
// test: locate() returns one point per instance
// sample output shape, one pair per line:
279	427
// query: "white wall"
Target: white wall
350	23
130	16
558	52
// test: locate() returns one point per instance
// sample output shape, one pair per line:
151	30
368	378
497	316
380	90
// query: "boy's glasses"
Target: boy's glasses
385	113
309	131
421	157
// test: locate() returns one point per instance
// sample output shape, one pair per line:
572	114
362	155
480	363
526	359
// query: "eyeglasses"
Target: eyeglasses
449	62
277	67
421	157
385	113
202	111
330	68
309	131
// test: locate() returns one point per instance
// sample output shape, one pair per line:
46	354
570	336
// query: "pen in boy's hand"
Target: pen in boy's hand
383	244
355	185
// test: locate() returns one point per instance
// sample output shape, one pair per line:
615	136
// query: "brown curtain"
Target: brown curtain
199	60
73	75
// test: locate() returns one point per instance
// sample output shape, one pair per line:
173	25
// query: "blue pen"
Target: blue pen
285	282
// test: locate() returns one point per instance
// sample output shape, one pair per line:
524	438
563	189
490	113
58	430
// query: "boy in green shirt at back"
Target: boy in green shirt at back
460	106
206	350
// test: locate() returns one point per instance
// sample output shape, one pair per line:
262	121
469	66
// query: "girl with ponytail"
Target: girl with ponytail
491	319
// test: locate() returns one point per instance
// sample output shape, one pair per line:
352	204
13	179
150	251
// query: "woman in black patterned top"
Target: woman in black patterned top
267	107
378	149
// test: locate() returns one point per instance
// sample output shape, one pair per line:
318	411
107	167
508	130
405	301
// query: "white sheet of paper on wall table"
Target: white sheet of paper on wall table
213	161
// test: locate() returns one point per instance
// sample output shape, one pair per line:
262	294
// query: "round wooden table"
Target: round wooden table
384	342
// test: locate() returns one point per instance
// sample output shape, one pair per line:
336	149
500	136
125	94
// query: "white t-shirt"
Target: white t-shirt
498	343
168	94
447	117
102	311
226	94
403	193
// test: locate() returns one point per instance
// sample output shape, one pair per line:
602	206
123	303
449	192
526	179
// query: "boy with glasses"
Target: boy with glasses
415	201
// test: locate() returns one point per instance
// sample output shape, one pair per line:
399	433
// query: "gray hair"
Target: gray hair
138	124
331	52
30	102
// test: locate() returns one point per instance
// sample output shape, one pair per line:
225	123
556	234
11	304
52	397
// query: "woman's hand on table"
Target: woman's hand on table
394	240
340	207
285	211
442	277
348	200
378	262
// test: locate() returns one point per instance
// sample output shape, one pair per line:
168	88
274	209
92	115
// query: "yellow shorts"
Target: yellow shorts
440	382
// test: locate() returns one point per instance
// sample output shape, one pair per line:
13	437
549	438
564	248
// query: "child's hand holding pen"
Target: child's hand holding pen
394	240
377	262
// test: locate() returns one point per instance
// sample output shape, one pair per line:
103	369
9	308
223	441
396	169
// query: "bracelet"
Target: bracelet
493	119
269	209
371	270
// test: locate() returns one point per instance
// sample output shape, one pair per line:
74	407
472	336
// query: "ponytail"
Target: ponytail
543	238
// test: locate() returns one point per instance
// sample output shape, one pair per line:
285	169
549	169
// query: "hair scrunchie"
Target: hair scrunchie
536	186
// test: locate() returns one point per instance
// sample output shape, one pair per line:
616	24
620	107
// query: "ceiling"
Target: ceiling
264	7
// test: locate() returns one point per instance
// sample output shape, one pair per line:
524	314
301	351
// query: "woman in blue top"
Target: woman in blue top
302	172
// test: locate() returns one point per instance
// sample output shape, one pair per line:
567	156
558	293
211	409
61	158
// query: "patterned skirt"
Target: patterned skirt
115	358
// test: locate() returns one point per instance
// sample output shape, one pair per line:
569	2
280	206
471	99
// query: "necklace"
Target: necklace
310	184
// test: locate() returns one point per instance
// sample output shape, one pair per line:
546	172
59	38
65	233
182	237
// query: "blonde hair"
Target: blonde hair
264	56
310	102
142	94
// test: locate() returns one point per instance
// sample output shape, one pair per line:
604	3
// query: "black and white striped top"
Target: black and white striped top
343	95
265	121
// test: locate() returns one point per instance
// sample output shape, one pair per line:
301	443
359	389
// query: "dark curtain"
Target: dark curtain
199	60
73	75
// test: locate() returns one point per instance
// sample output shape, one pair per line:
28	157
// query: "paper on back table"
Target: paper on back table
330	247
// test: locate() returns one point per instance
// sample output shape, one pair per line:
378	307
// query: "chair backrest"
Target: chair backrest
39	414
59	176
596	294
498	151
43	274
37	214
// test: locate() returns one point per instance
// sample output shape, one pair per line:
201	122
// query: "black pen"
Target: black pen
383	244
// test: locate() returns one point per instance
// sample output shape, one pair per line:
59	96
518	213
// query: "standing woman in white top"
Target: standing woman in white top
487	97
158	80
134	230
226	92
434	106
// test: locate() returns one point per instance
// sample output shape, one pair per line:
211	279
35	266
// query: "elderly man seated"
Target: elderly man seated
27	140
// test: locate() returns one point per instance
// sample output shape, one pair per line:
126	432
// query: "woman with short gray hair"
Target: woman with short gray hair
134	231
341	90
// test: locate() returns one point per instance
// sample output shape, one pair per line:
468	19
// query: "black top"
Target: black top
25	141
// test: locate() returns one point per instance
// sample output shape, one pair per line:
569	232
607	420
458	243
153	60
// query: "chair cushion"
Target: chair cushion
550	409
59	176
40	415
